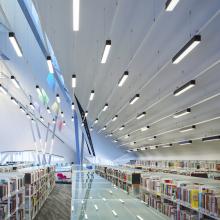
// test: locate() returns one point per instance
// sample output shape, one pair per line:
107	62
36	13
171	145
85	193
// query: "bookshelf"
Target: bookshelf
12	196
39	182
198	168
181	197
126	179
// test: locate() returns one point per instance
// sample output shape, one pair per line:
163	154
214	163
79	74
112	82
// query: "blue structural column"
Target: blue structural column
78	160
82	148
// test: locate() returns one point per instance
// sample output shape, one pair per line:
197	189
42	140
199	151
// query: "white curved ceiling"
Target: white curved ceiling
144	39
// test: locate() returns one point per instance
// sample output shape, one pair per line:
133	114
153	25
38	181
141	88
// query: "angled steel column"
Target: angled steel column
82	148
77	139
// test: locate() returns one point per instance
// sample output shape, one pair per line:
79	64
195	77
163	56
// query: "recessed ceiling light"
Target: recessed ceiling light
106	51
195	40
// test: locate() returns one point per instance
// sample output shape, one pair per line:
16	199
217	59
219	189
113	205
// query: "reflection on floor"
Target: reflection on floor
58	204
95	198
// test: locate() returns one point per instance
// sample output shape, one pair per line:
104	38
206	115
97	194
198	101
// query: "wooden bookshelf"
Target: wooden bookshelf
12	196
198	168
181	197
39	182
126	179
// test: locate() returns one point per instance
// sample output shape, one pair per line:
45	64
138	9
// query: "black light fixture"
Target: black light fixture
189	128
73	81
171	4
38	90
123	79
115	118
134	99
92	94
15	82
48	110
106	51
15	44
141	115
182	113
49	64
185	142
105	107
58	98
211	138
145	128
121	128
184	88
96	121
191	44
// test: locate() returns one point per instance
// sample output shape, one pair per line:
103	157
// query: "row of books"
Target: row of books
200	196
207	165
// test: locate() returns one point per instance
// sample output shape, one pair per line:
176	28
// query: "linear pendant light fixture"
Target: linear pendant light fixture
58	98
106	51
49	64
14	101
22	110
141	115
190	128
96	120
185	142
105	107
145	128
92	94
48	110
38	90
115	118
171	4
182	113
15	82
3	90
121	128
134	99
76	5
15	44
31	105
167	145
211	138
195	40
73	107
123	79
184	88
73	81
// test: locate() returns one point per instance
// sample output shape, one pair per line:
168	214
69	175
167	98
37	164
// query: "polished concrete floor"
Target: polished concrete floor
97	199
57	205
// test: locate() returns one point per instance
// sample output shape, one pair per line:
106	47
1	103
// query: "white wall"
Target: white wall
15	131
196	151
